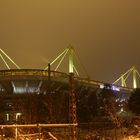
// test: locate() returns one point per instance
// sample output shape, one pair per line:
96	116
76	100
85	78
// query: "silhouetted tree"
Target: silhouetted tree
134	101
107	105
106	100
86	105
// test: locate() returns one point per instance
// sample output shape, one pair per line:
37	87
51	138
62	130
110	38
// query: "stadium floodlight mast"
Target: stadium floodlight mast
70	51
72	55
2	55
125	76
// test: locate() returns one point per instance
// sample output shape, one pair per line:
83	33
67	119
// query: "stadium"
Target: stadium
46	103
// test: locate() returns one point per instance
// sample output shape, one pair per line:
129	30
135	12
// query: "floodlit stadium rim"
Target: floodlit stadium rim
15	74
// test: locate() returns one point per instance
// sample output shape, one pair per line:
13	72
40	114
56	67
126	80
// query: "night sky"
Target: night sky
104	33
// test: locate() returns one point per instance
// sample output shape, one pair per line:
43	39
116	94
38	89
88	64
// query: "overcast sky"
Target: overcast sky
104	33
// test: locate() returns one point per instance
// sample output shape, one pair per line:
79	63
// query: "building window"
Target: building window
7	116
18	115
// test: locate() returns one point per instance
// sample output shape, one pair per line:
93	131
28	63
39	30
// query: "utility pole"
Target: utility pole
72	107
49	78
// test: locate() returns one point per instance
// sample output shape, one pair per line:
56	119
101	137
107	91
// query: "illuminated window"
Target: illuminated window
18	116
122	110
7	117
102	86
